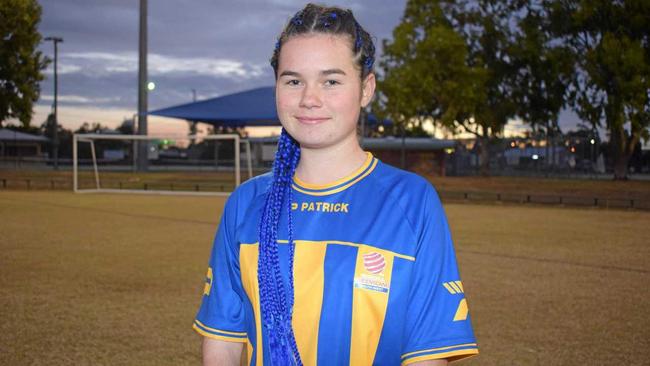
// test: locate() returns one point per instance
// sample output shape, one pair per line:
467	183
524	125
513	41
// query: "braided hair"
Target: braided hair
334	21
276	301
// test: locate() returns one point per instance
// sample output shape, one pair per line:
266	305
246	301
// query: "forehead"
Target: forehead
316	50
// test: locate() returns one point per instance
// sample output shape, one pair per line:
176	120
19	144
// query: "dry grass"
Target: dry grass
116	279
632	189
606	189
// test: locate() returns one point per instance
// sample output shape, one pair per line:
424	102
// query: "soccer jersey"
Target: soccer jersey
375	274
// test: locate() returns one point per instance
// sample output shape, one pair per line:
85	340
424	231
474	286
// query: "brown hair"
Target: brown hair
329	20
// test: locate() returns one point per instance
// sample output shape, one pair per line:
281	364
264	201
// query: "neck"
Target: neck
325	165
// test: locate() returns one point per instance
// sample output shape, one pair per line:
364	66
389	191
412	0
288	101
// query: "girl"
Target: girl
335	258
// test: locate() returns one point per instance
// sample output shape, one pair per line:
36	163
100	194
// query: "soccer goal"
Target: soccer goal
186	165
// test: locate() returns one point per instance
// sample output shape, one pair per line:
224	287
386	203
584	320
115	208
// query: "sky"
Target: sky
209	46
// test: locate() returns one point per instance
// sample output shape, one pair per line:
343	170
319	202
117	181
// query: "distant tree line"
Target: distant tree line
471	66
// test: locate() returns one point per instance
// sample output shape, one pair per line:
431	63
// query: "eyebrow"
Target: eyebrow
332	71
323	73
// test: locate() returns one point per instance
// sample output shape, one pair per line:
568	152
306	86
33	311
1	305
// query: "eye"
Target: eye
332	82
293	82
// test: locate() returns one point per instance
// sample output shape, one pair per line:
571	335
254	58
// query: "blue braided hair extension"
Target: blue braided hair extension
277	314
276	300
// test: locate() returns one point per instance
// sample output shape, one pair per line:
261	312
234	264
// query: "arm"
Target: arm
437	321
221	353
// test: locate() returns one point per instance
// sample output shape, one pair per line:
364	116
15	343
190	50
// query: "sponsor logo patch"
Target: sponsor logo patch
374	264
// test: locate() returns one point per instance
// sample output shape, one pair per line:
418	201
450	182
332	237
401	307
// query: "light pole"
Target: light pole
55	138
192	124
142	88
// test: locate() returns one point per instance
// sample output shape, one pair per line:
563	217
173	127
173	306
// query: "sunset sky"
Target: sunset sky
213	47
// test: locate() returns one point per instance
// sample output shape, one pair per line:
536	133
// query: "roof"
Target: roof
255	107
410	143
386	143
17	136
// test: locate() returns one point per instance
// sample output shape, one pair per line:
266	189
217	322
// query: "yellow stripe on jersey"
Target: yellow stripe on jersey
241	334
248	254
450	356
218	337
208	282
369	302
439	349
460	286
462	311
455	287
338	181
449	288
339	189
349	243
309	281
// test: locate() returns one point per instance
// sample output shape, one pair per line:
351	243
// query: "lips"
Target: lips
311	120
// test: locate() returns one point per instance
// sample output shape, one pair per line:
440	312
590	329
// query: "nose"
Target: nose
311	97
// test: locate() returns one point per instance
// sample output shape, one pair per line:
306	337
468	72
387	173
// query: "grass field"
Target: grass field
604	189
117	279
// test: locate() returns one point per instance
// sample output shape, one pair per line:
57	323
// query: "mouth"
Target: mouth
311	120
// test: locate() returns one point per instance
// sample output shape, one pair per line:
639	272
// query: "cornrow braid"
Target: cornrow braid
276	301
329	20
276	313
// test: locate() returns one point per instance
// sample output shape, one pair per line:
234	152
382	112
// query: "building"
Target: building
15	144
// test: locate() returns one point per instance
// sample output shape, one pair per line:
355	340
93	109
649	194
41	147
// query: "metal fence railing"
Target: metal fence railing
546	199
451	196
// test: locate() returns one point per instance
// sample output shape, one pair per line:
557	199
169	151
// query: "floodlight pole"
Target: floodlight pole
55	133
142	89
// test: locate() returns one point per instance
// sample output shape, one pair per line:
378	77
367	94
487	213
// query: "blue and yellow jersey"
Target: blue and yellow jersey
375	273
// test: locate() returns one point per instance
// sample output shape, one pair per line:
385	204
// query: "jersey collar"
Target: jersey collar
338	185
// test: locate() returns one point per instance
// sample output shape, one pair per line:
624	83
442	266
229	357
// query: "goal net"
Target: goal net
192	165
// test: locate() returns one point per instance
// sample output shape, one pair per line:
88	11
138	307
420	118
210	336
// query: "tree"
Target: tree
126	127
544	71
449	61
20	63
612	86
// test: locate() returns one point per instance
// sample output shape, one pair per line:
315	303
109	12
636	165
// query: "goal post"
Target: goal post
179	165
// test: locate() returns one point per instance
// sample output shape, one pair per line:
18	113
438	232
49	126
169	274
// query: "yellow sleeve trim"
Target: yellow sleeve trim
439	349
450	356
241	334
221	338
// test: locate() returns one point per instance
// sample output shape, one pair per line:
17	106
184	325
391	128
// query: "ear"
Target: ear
368	89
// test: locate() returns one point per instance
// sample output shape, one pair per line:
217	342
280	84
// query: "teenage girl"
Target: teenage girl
333	258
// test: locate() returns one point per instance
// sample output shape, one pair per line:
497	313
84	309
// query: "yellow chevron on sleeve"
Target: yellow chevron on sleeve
461	312
455	287
460	286
449	288
208	282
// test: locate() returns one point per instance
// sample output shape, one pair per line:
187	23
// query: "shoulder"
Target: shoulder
247	195
406	186
252	188
413	195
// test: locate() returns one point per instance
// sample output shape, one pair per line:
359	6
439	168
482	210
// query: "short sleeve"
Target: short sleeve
221	315
437	324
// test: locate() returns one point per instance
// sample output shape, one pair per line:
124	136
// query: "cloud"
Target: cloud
213	47
127	62
78	99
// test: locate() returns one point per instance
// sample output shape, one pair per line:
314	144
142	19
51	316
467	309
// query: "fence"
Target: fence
451	196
